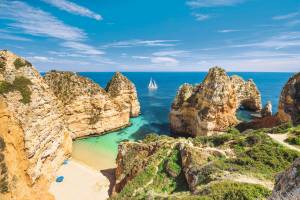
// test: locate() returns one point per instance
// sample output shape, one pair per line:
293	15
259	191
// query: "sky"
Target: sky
153	35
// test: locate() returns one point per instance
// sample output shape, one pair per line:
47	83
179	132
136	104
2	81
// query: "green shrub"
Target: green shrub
20	84
19	63
227	190
282	128
2	66
152	137
233	131
257	154
293	140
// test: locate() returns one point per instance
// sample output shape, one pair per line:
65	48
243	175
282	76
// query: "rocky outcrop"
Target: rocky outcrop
122	90
287	185
289	102
88	109
211	106
227	166
267	110
34	139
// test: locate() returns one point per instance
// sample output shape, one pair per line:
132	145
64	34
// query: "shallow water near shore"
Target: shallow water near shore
100	152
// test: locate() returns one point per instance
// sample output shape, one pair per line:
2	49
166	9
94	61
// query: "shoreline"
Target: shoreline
82	182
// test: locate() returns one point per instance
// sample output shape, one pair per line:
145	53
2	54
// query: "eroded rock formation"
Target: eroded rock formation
211	106
88	109
267	110
287	185
289	102
34	139
123	90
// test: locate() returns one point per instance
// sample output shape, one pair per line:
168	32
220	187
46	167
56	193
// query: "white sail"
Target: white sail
155	85
152	84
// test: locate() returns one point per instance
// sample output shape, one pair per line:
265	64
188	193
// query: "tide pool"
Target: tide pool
100	152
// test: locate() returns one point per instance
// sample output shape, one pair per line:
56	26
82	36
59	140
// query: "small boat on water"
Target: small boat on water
152	85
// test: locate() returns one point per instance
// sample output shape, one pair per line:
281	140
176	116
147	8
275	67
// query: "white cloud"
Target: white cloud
212	3
228	31
73	8
37	22
201	17
38	58
288	16
140	57
6	35
172	53
164	61
83	48
141	43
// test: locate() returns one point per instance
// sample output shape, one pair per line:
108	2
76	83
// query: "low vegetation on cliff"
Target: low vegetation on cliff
20	63
20	84
294	136
229	166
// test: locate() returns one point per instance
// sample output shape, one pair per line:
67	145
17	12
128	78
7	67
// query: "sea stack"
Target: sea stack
34	141
89	109
210	107
122	90
289	102
267	110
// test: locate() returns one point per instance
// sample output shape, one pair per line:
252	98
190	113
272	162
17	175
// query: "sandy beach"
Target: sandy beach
82	182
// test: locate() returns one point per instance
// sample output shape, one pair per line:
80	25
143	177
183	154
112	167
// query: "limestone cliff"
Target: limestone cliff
34	140
123	90
88	109
289	102
287	185
211	106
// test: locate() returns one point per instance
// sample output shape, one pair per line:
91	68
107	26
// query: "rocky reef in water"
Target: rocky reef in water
230	166
40	116
89	109
210	107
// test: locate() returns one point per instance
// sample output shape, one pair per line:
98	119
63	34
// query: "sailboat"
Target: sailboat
152	85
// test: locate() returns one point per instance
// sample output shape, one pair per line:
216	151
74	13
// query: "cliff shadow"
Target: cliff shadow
110	175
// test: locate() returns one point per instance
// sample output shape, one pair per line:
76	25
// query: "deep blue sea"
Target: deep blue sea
155	107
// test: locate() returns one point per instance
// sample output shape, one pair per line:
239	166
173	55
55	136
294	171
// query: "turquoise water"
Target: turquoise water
100	152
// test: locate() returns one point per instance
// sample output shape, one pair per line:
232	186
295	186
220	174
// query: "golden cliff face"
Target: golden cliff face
32	127
89	109
211	106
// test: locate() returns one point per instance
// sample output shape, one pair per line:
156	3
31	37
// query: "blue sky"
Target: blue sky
153	35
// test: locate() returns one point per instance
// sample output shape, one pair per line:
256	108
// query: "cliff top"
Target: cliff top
68	85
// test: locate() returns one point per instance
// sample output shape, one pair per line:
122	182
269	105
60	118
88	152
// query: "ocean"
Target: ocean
100	152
